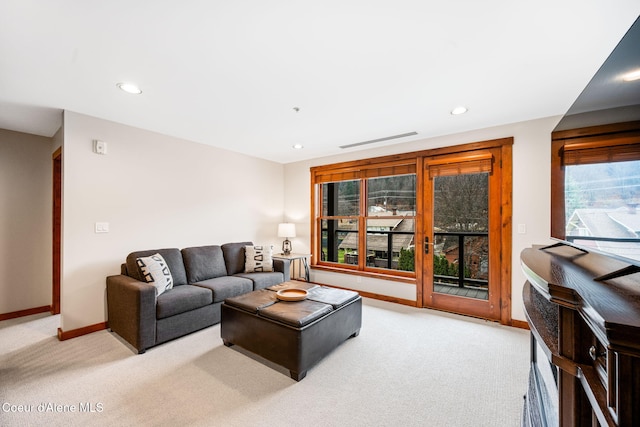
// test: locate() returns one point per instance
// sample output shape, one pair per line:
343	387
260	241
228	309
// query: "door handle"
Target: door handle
426	245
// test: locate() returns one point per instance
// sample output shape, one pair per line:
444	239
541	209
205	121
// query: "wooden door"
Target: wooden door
462	246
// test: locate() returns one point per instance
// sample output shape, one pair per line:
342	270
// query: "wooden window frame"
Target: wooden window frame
362	172
589	145
343	170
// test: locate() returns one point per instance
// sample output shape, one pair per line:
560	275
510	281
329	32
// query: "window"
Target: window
596	188
391	210
339	221
368	223
375	217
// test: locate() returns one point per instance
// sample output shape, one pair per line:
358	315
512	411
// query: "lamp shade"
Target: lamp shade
287	229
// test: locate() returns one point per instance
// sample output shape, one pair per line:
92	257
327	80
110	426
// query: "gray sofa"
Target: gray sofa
203	277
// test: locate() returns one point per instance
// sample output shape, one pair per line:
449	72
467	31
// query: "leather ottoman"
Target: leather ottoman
292	334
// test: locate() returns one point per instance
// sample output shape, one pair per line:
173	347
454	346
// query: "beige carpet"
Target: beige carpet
408	367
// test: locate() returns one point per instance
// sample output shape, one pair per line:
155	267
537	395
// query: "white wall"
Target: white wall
531	199
155	191
25	221
158	191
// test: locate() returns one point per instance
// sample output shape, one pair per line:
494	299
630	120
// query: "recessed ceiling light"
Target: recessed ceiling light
130	88
634	75
298	147
459	110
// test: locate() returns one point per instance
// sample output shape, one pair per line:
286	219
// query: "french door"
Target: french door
464	236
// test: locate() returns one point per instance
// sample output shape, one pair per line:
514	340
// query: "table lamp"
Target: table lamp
286	230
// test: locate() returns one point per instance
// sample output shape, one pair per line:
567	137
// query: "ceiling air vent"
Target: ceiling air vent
379	140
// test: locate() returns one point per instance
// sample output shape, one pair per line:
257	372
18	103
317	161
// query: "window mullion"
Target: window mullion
362	225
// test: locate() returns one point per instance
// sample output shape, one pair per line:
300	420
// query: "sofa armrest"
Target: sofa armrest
131	308
284	267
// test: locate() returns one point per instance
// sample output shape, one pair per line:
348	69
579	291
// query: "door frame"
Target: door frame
503	166
56	230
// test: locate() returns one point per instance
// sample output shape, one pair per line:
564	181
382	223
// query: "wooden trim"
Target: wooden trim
557	191
26	312
602	141
596	130
313	215
56	246
462	158
358	165
412	156
506	243
369	171
472	146
362	225
520	324
419	233
74	333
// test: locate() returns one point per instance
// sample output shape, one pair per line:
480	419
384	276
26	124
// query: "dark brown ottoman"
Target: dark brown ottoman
292	334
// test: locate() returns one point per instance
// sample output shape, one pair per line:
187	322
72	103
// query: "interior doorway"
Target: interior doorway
57	230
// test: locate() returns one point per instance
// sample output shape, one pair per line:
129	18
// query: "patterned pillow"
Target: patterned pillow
156	272
257	259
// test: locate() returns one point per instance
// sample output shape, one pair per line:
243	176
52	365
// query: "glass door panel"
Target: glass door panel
461	252
461	235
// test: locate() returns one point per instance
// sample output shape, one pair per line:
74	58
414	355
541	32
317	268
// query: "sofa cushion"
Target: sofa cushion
226	287
173	258
257	259
182	299
155	271
263	280
234	257
203	262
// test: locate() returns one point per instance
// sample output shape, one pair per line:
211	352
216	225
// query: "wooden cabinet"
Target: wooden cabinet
585	340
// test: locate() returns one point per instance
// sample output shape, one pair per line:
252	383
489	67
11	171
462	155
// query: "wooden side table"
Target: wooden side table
300	260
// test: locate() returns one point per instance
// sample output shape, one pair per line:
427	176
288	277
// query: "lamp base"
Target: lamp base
286	247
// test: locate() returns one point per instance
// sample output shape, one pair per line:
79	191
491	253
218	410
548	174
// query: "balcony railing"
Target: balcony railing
390	263
371	260
460	279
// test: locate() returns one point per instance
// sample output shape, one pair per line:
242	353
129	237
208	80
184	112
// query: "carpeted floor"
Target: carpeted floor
408	367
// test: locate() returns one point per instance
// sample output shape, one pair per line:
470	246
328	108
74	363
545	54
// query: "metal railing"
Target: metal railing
370	261
461	280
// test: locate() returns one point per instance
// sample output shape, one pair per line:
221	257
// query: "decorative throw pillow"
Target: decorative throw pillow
257	259
156	272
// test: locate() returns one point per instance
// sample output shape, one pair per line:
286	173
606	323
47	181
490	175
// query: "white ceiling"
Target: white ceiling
229	73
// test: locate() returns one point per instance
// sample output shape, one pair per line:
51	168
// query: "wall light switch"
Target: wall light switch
522	229
99	147
102	227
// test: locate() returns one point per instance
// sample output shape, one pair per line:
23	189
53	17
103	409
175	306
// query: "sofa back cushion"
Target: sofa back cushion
203	263
234	256
172	257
